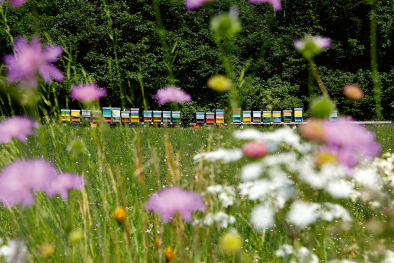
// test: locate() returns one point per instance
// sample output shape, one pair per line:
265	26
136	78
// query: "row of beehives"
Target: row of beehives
255	117
116	115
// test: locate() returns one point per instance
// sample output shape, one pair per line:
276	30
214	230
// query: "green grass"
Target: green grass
122	167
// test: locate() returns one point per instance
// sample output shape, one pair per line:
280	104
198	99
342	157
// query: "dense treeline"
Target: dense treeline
273	73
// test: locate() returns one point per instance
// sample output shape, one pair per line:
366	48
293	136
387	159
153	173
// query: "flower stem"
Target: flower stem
319	81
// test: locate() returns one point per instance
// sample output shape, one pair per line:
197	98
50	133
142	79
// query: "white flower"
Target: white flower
281	158
221	218
340	261
226	199
366	177
249	134
220	154
15	251
303	255
215	189
339	189
303	213
251	171
331	211
374	204
389	257
262	217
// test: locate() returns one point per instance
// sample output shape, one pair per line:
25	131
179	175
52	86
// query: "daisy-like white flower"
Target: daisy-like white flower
87	92
29	60
175	200
172	94
16	127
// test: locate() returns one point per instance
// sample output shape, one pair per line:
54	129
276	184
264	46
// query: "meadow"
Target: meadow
124	166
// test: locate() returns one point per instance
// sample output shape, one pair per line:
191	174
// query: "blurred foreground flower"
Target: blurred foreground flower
157	243
353	92
219	83
29	60
16	127
75	235
87	92
276	4
169	253
175	200
16	3
15	252
76	147
313	130
226	25
311	46
19	181
254	149
230	243
321	107
120	214
172	94
194	4
46	250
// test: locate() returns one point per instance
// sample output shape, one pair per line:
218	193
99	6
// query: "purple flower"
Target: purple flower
20	179
348	141
16	127
64	182
17	3
194	4
29	60
319	42
172	94
87	92
172	200
276	4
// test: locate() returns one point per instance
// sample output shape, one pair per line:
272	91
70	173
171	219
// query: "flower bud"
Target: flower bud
157	243
219	83
254	149
230	243
311	46
46	250
353	92
313	130
322	107
120	214
226	25
169	253
75	236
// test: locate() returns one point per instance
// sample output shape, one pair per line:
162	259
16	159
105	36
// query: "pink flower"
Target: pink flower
20	179
173	200
353	92
172	94
254	149
276	4
87	92
62	183
194	4
17	3
29	60
16	127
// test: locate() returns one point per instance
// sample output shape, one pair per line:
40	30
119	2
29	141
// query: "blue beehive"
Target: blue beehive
334	116
276	116
298	115
200	117
237	115
167	116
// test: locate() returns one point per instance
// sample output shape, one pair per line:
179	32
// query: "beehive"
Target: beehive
256	116
96	116
210	118
237	115
219	116
157	117
276	116
134	115
176	117
125	116
75	116
65	115
86	116
334	116
116	114
246	118
287	116
298	115
200	117
107	114
167	116
148	116
267	116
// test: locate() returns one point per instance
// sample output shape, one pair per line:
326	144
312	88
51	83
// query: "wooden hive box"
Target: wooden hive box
210	118
167	117
200	117
86	116
237	115
65	115
334	116
276	116
246	116
96	115
287	116
134	115
176	117
116	114
75	116
157	117
107	114
298	115
256	116
125	116
267	116
148	116
219	116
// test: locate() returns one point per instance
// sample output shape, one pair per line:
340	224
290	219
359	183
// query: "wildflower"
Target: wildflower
194	4
262	217
220	154
20	179
157	243
219	83
46	250
276	4
311	46
353	92
230	243
313	130
17	3
172	200
15	252
169	253
172	94
226	25
325	157
87	92
16	127
62	183
75	236
120	214
29	60
302	213
251	171
254	149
